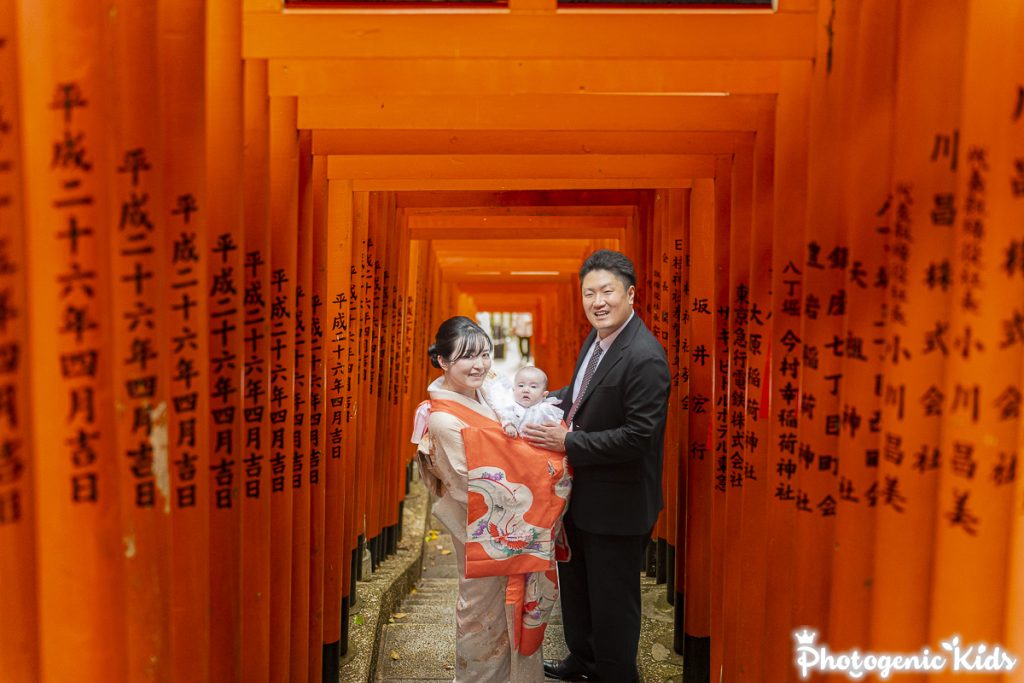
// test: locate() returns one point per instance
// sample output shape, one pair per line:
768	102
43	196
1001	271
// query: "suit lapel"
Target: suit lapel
611	357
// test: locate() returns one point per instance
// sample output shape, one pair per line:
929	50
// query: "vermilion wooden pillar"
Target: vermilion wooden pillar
255	483
868	118
734	473
19	652
339	493
319	321
140	261
384	368
824	262
649	284
720	405
181	65
142	372
283	164
79	538
376	258
359	348
698	446
225	258
1014	638
756	443
977	475
929	59
673	256
354	496
299	466
400	342
785	353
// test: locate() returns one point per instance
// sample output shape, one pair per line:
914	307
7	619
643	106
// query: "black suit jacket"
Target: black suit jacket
616	447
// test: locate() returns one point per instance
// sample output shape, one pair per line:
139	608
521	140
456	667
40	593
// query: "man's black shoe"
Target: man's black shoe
564	671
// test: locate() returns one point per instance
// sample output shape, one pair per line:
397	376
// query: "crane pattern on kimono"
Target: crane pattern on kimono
502	531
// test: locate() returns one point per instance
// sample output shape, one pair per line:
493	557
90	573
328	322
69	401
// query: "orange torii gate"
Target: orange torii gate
227	232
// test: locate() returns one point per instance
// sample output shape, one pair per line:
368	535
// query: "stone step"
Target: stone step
447	605
435	590
417	651
448	571
444	619
436	583
420	646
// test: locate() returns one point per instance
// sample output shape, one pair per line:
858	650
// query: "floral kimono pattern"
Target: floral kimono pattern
517	494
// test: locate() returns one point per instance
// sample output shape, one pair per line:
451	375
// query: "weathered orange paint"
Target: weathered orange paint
256	585
225	263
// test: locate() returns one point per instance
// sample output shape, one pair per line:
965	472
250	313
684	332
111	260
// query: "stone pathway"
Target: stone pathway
418	642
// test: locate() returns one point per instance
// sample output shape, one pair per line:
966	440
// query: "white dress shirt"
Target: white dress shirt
606	344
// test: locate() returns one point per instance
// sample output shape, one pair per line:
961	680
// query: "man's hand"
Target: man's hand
550	436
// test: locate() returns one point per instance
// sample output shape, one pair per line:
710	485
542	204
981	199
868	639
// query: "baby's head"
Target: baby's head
530	386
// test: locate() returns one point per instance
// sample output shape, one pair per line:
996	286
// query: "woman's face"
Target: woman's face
467	374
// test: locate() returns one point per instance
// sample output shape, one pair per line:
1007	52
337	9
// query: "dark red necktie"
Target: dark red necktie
595	357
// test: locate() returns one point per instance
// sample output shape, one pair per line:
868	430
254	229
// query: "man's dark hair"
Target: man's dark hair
612	261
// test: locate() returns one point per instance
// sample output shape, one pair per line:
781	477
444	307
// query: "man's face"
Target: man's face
530	388
606	301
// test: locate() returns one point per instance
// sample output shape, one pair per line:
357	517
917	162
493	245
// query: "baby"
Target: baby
525	402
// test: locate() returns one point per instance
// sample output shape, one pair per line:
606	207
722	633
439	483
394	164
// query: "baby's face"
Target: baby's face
529	388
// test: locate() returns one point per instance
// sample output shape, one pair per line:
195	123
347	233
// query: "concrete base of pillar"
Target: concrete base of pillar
381	592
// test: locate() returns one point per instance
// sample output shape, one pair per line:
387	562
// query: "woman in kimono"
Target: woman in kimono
486	651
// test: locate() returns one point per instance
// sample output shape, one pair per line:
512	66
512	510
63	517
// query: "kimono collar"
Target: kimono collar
479	405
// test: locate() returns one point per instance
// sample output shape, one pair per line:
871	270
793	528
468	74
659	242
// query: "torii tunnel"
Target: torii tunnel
229	229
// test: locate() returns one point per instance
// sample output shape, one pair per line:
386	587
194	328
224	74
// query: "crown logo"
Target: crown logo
805	637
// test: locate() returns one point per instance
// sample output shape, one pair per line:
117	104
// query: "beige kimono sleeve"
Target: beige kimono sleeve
450	468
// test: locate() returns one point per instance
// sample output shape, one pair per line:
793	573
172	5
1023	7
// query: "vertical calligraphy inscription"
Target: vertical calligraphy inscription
316	384
255	379
136	283
225	262
185	321
281	388
739	468
787	393
19	648
301	401
825	305
14	446
79	321
967	393
339	381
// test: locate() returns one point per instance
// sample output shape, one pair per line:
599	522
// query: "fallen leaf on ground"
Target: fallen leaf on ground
395	656
401	615
358	620
446	552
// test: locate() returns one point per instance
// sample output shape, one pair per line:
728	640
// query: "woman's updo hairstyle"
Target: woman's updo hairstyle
456	338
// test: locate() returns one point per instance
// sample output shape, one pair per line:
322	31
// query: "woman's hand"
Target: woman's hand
549	436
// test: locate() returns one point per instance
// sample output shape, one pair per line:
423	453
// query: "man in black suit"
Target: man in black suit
615	408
